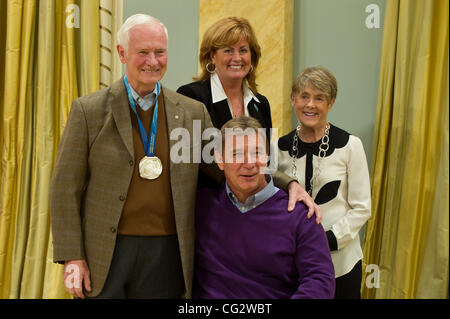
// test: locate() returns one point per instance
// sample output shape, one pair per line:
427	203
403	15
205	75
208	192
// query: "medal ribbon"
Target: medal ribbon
149	143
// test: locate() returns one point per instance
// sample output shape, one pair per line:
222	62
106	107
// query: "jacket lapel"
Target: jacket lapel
121	113
174	117
253	111
221	113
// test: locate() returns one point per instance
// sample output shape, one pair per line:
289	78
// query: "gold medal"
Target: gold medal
150	167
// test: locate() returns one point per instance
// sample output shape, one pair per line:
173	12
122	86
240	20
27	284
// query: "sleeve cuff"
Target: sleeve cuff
282	180
332	242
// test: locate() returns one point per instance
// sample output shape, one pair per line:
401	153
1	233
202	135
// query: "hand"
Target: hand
76	273
299	194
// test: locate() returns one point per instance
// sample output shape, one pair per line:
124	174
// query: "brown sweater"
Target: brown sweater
148	209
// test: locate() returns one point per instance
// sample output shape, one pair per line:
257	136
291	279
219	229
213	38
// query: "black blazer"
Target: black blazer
220	112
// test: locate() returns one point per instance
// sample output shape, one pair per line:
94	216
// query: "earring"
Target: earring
251	69
208	68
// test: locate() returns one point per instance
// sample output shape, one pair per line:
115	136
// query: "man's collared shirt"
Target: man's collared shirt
218	93
144	103
253	201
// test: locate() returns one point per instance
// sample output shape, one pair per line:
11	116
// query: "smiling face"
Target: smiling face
232	62
311	107
146	58
243	161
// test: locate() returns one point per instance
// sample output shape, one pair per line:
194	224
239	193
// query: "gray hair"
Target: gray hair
123	35
319	78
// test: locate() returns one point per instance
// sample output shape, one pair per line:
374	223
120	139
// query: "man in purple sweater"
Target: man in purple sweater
248	245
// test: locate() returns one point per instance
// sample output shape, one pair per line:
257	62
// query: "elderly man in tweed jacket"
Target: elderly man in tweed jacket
120	234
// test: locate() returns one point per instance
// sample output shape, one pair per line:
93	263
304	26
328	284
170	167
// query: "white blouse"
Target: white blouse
342	189
218	93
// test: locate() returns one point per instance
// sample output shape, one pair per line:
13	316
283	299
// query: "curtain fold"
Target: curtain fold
434	271
88	42
44	65
53	78
17	123
2	71
408	147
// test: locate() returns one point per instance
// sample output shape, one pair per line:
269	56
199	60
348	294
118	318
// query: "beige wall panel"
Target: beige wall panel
272	21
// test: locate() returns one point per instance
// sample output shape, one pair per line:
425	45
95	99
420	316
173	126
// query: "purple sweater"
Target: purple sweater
266	252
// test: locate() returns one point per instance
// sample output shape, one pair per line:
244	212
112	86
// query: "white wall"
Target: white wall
333	33
181	19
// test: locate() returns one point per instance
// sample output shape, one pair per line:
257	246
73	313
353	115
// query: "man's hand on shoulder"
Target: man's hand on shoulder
299	194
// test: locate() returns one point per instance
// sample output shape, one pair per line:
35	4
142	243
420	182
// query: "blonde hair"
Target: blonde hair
226	32
319	78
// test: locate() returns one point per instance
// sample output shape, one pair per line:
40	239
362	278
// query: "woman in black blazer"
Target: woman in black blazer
229	56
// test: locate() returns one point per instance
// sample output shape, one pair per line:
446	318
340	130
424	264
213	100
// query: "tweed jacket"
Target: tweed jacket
92	175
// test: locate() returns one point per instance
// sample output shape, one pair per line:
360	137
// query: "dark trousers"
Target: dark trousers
348	286
144	267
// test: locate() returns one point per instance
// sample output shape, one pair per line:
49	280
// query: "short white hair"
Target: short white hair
123	35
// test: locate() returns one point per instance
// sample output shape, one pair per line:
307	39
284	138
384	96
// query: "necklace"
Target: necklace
323	148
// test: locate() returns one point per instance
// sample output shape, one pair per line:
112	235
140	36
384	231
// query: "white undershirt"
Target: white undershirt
218	94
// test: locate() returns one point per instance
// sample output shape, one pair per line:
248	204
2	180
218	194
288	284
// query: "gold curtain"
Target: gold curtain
46	61
407	236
